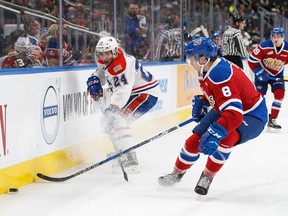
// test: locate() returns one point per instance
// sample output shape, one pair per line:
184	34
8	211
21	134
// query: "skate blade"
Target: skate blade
200	197
273	130
166	187
128	170
132	169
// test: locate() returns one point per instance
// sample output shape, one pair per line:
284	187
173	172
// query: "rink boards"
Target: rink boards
49	123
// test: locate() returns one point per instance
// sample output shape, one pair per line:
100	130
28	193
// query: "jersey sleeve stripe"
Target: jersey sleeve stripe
232	102
145	87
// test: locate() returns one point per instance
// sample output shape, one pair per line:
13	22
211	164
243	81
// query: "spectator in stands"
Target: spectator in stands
32	28
275	7
10	40
24	55
50	42
135	43
46	6
2	39
71	14
87	56
20	2
54	9
265	4
285	12
82	19
142	21
2	45
32	4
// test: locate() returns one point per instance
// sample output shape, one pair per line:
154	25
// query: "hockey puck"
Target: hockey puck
14	190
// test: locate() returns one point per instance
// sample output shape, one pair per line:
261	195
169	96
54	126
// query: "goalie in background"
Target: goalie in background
239	114
267	62
134	91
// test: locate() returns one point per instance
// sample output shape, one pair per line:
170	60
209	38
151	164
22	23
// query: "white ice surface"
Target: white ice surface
254	182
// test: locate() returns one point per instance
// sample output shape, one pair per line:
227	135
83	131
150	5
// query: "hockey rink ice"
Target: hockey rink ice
253	182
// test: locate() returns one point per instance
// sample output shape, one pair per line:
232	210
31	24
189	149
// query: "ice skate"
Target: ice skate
170	179
115	162
129	161
273	124
203	184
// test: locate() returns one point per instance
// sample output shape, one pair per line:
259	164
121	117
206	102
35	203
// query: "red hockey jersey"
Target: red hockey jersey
269	57
231	93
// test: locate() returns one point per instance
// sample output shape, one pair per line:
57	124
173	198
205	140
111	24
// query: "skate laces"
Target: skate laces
204	181
273	121
170	179
173	176
131	159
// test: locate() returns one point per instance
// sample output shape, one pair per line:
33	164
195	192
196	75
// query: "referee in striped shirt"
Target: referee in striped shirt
232	42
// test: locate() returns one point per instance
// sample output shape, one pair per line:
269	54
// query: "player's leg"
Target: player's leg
249	129
215	162
278	89
189	154
121	134
138	105
121	137
261	86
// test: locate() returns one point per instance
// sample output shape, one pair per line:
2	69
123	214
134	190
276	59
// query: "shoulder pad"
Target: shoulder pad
221	73
267	44
286	45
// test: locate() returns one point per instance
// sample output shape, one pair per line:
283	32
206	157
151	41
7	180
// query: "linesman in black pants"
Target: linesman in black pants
232	42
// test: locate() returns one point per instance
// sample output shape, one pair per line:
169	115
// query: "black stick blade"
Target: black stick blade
53	179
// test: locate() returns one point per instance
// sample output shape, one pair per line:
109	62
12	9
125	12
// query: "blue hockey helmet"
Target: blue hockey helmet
279	31
201	47
216	35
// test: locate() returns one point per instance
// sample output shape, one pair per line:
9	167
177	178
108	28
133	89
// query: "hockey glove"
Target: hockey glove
211	138
94	87
260	74
199	109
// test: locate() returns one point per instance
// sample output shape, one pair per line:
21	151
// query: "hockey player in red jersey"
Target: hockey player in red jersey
134	91
267	62
239	114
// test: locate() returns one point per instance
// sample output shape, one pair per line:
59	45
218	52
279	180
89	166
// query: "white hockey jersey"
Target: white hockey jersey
126	76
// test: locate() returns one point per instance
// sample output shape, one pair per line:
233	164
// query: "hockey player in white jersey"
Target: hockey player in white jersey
134	91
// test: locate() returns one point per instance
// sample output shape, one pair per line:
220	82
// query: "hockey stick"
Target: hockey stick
123	170
120	162
62	179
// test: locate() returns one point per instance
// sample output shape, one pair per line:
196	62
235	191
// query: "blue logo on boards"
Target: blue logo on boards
50	111
50	117
163	83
